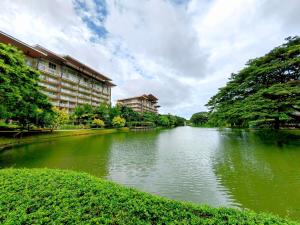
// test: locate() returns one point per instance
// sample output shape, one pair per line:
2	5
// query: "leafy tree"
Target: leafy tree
20	95
61	117
200	118
266	89
129	114
114	112
164	121
83	114
151	117
118	122
103	112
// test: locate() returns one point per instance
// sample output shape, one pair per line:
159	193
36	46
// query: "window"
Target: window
52	66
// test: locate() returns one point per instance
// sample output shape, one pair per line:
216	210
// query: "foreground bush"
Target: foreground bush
44	196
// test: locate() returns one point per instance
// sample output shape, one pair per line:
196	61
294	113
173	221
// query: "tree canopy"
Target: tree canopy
267	89
20	95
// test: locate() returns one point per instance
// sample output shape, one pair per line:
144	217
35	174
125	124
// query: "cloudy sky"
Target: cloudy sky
182	51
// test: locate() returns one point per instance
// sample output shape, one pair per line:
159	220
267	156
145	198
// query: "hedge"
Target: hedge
46	196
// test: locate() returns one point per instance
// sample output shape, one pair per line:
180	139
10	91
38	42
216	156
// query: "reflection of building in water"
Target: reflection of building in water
66	81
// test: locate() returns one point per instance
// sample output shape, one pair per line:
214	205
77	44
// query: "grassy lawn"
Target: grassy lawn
42	136
44	196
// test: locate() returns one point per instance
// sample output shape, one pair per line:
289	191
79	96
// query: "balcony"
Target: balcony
48	70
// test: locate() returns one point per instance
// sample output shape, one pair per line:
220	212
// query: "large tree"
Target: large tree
266	89
20	95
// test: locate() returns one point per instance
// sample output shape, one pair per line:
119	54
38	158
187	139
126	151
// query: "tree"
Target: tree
20	95
61	117
118	122
200	118
151	117
129	114
83	114
164	121
103	112
266	89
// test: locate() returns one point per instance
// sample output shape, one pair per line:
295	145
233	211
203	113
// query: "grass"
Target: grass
43	136
45	196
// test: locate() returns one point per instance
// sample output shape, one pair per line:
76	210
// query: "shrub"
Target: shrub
118	122
98	123
45	196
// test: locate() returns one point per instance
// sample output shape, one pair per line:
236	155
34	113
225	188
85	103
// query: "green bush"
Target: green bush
44	196
118	122
98	123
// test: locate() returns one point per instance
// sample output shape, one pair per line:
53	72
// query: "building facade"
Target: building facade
141	104
66	81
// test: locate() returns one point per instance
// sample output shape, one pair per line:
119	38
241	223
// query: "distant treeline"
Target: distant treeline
265	93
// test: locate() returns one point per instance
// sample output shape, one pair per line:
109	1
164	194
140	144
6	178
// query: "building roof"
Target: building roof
25	48
149	97
38	51
50	55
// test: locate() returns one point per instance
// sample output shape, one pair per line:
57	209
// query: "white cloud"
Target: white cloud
180	52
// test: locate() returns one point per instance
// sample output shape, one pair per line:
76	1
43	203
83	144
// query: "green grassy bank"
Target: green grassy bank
7	140
44	196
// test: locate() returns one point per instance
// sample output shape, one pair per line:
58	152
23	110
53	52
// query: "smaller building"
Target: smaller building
141	104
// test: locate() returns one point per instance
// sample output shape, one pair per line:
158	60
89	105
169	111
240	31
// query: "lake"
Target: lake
258	170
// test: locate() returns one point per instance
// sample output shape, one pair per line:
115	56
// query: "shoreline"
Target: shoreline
9	142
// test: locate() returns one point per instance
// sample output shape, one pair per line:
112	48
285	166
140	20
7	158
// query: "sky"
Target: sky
181	51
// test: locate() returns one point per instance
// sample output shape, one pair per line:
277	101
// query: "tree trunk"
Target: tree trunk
277	123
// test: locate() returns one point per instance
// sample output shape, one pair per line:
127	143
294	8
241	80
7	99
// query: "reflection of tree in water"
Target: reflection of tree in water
261	169
82	153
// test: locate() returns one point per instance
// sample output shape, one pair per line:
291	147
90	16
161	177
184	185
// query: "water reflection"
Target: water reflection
261	170
174	163
83	153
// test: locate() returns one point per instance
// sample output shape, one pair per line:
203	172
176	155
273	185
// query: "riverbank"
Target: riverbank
45	196
9	141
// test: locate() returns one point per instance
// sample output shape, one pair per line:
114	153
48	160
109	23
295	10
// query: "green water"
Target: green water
259	170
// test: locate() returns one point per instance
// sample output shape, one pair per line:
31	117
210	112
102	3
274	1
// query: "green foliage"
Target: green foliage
99	123
44	196
199	119
266	89
103	112
83	114
111	117
164	121
118	122
151	117
20	96
60	118
128	114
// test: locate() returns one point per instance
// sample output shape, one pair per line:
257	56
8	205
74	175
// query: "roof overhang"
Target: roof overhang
72	62
25	48
50	55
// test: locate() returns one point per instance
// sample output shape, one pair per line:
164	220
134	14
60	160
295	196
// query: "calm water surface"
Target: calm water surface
259	170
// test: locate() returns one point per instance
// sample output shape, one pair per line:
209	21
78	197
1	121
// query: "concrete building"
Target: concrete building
144	103
66	81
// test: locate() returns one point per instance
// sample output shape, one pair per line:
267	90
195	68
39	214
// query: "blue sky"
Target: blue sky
182	51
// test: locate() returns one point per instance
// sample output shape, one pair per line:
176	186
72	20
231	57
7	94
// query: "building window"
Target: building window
52	66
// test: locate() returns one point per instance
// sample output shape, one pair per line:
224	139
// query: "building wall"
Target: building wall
67	87
140	105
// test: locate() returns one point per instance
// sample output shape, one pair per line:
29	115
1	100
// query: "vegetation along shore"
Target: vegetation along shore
44	196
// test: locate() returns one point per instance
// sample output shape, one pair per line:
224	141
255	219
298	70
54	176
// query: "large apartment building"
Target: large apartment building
144	103
66	81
